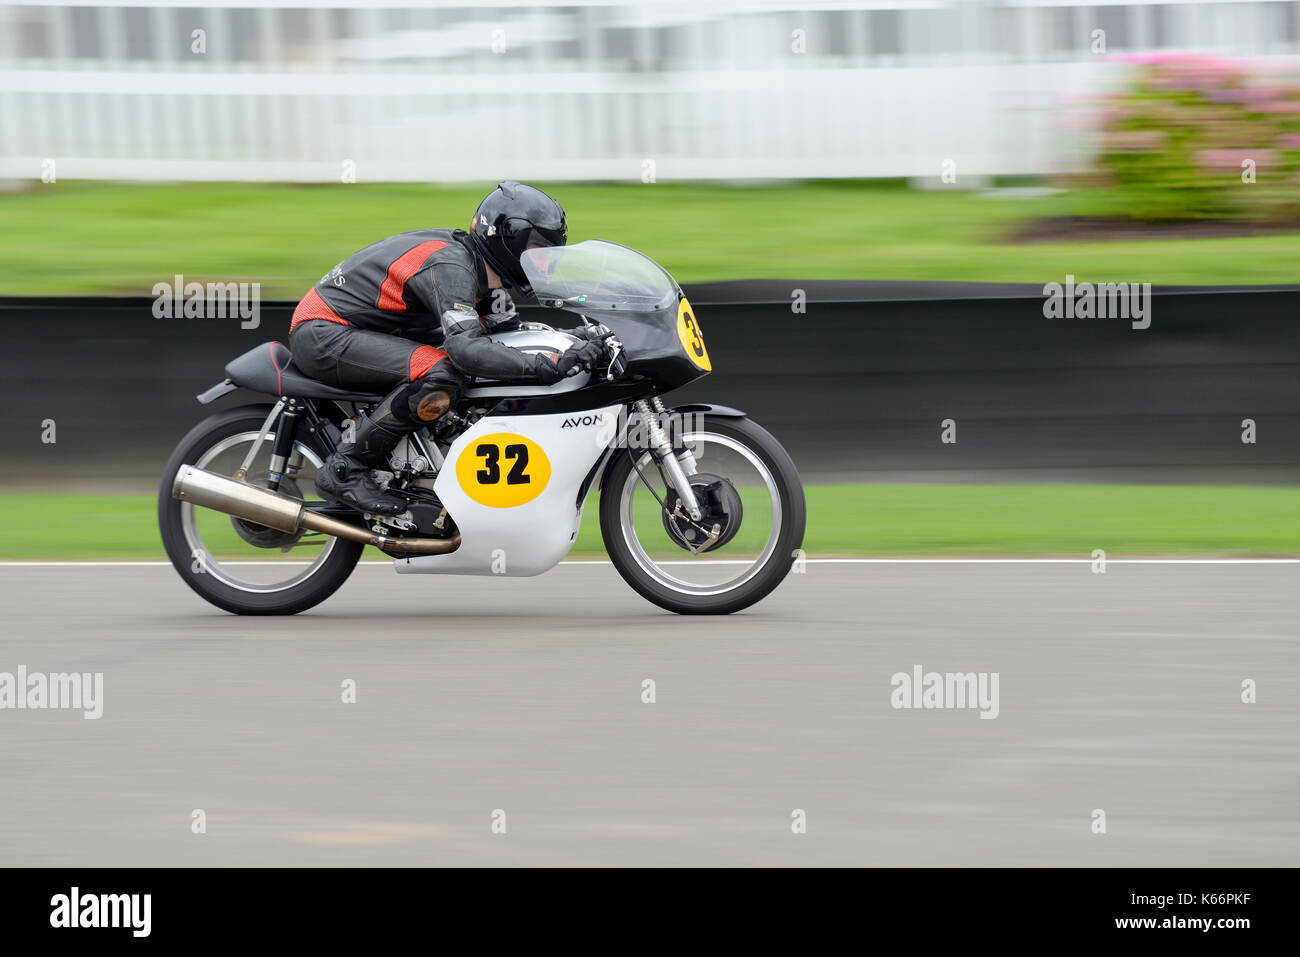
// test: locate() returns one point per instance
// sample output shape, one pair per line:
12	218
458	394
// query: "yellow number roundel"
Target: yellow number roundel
503	470
688	330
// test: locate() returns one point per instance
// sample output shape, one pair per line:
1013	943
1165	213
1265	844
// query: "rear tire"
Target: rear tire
324	580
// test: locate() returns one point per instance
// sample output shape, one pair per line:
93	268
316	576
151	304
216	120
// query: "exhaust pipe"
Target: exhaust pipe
260	505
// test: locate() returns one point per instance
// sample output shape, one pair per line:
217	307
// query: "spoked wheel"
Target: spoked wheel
238	565
742	546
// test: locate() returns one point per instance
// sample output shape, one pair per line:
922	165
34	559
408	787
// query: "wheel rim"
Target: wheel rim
224	570
719	563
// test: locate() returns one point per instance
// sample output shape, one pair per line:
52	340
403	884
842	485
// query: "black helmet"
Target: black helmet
510	219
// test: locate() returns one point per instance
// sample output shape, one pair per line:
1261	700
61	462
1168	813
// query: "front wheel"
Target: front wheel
743	547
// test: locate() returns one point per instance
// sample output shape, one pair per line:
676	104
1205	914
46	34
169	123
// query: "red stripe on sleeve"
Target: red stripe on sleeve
402	269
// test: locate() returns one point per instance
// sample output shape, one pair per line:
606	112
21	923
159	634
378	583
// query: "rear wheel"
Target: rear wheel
237	565
745	544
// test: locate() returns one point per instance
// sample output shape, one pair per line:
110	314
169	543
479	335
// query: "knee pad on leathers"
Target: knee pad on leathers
426	399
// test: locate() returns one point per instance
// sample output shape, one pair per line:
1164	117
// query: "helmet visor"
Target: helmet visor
526	235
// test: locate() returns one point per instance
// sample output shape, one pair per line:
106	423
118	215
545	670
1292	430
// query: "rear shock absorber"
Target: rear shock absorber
286	432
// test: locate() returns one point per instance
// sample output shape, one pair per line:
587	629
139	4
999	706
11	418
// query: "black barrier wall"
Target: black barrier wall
858	391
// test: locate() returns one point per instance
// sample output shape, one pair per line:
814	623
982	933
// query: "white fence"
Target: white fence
445	91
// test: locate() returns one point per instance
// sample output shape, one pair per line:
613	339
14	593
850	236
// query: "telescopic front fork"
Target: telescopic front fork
661	447
684	455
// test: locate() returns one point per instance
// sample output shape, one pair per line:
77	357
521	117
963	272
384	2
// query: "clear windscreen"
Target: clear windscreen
598	275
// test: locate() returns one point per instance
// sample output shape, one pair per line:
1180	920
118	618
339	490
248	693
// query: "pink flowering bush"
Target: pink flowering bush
1185	138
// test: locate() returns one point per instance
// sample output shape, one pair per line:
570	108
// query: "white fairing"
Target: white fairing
531	537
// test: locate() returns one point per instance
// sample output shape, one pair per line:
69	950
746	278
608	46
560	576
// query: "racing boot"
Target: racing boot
345	476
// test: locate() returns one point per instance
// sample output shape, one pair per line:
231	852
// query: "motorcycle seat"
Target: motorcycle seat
269	368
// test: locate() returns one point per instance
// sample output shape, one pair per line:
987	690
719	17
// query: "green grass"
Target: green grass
128	237
1125	520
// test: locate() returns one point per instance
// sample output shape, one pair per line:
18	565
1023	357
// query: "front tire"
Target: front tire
220	583
633	552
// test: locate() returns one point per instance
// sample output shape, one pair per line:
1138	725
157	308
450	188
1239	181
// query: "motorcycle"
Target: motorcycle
700	509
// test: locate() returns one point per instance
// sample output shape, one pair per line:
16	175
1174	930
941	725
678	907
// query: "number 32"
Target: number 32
491	473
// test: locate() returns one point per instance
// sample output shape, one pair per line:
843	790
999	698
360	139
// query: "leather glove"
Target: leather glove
586	355
579	356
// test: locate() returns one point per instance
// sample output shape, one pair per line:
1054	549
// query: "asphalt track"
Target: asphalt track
1118	691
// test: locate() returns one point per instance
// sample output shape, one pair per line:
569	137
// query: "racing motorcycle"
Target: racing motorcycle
700	509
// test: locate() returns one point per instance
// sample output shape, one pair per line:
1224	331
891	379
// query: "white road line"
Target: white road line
809	561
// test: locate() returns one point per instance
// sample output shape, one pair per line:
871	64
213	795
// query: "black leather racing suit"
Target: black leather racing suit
407	316
389	316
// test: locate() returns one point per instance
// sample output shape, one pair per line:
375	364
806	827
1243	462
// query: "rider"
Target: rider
410	316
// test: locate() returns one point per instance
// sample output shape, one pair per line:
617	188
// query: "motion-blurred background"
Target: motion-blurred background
857	155
447	91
